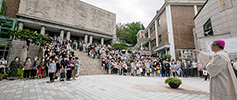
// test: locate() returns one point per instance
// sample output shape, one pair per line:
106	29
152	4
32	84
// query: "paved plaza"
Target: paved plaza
104	87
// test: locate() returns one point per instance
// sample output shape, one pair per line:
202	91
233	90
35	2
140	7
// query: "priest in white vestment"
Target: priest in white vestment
223	83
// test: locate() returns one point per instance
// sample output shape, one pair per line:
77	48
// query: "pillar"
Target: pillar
62	34
86	38
141	46
102	41
91	39
170	32
20	26
42	31
68	35
156	31
114	39
195	10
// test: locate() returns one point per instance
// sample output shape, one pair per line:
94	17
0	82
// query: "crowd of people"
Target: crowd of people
134	64
59	62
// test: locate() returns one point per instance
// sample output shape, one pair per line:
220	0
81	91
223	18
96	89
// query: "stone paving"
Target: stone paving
104	87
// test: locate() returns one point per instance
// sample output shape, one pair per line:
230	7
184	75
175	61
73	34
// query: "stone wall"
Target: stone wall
17	47
73	12
223	20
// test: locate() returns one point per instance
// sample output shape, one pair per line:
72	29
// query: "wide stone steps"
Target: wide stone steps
89	65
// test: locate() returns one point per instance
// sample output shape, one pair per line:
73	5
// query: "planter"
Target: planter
174	85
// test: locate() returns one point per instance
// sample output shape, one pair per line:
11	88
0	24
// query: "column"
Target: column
156	30
68	35
195	10
62	34
20	26
42	31
141	46
114	39
102	41
166	52
86	38
91	39
170	32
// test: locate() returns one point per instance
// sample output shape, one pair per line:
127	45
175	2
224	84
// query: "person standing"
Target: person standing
167	67
190	69
195	68
64	64
84	47
14	67
200	69
41	68
78	64
27	66
235	66
35	63
223	82
69	69
52	70
184	67
3	64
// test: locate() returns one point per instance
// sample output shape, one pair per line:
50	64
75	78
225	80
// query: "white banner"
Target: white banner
230	45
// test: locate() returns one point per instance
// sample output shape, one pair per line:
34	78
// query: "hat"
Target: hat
221	42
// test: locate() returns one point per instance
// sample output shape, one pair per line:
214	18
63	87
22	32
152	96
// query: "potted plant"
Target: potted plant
173	82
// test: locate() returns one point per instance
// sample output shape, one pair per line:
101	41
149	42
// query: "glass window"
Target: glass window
147	35
153	43
160	40
208	28
158	22
152	29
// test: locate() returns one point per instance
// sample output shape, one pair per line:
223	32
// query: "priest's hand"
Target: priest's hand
196	51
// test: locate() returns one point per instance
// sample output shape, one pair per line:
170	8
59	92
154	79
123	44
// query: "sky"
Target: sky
128	11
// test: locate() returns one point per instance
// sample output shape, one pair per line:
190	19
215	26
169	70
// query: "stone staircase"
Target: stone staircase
89	65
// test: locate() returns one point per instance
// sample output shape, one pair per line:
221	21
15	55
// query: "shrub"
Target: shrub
173	80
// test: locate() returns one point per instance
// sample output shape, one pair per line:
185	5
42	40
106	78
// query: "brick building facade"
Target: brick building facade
170	31
13	7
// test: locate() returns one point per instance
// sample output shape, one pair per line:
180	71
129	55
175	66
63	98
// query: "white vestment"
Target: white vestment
223	82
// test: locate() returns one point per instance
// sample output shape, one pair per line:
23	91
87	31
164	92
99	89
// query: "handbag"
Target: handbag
205	72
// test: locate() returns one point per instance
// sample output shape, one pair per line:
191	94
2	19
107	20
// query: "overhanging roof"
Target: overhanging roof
161	47
143	41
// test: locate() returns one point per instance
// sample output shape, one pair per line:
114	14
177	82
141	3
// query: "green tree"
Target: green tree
120	46
29	36
129	31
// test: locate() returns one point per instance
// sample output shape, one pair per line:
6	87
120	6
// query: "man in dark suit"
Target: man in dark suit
167	67
184	66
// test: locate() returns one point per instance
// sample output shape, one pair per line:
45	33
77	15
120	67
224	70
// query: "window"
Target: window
208	28
147	35
186	54
153	43
160	40
158	22
152	29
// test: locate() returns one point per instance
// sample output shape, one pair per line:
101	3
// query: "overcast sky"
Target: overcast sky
128	11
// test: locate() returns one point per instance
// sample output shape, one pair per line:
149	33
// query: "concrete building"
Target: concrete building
216	20
170	31
69	19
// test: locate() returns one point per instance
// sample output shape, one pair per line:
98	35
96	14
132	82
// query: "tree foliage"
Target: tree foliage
129	31
120	46
29	36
